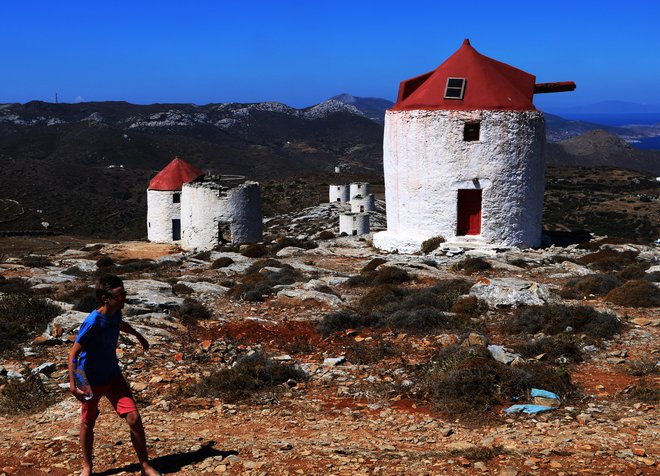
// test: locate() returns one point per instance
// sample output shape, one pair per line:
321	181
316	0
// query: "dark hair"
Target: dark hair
106	284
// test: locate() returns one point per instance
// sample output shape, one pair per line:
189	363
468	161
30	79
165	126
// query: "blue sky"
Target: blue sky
302	52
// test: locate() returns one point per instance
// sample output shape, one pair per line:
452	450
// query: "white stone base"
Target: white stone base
404	244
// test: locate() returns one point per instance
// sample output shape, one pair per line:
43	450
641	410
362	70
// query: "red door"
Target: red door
469	212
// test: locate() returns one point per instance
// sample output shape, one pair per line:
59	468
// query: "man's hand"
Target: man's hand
79	394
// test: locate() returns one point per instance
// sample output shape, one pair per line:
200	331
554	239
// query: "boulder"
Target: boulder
511	292
150	294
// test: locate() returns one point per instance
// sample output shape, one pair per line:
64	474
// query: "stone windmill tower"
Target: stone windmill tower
463	156
164	200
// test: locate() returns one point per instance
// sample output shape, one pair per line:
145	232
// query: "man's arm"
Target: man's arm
128	329
74	353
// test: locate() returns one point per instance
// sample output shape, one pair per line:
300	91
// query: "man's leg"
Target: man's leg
87	445
139	441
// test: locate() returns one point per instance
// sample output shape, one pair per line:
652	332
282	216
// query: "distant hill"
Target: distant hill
84	168
599	148
610	107
373	108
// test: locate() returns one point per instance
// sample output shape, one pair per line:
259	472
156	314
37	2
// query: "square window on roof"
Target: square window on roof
455	88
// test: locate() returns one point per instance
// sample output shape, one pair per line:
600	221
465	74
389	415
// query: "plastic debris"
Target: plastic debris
528	409
536	392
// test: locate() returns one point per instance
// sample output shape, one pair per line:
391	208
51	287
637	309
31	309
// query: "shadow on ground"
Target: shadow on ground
174	463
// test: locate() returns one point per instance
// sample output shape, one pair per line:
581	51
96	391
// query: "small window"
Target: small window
176	198
471	131
455	88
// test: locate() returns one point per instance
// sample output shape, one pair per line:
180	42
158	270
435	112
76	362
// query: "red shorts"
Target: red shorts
117	392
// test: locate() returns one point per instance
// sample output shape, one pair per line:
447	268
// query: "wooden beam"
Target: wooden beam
542	88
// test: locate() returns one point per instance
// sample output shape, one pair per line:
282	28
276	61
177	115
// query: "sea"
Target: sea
623	120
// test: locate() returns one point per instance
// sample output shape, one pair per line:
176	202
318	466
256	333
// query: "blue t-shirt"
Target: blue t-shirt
98	336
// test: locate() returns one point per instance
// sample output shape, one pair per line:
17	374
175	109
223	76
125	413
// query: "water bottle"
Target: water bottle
80	379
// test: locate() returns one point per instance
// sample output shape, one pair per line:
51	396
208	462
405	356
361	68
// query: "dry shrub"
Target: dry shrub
340	321
283	242
470	306
36	261
251	375
554	348
645	391
479	453
521	263
467	380
222	262
24	396
636	293
609	260
266	263
259	283
593	284
413	310
192	311
555	319
431	244
472	265
382	275
633	271
326	235
641	368
182	290
104	262
372	265
255	251
366	353
137	264
14	286
202	255
76	271
22	316
594	245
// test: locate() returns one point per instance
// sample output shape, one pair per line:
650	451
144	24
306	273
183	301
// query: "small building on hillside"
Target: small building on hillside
164	200
463	156
200	212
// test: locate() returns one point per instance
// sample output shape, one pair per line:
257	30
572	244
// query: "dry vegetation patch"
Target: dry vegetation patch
250	376
23	316
635	293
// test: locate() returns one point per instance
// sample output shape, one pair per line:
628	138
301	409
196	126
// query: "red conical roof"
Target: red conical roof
489	84
174	175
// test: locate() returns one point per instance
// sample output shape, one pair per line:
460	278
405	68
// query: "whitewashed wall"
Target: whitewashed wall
363	204
359	188
339	193
426	161
354	223
160	213
205	206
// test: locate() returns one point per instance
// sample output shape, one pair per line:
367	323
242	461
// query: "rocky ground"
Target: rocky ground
357	410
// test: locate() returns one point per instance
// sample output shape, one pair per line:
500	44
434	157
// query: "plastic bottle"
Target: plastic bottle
80	379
